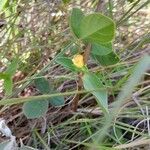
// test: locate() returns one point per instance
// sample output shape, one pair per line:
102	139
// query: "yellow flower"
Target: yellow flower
78	61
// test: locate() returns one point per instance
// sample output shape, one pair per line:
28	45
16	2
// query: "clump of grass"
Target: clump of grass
37	33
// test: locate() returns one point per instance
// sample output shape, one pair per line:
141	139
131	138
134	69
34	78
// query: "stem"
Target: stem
78	95
85	57
87	53
12	101
80	84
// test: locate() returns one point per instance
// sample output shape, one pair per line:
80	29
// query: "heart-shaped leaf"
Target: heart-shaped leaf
92	82
101	49
43	85
35	109
57	101
97	28
75	21
106	60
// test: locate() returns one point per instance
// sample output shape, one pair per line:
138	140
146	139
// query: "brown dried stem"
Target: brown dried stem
80	84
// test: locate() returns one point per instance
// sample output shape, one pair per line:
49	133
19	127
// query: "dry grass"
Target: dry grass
41	33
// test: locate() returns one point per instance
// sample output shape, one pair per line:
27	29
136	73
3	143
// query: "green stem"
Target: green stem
110	4
42	141
13	101
124	19
124	16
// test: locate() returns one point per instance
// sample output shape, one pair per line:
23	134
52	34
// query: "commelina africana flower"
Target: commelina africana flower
78	60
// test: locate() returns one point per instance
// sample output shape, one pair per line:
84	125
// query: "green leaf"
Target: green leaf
7	76
66	1
43	85
101	49
92	82
8	85
74	50
75	21
2	4
97	28
57	101
106	60
11	69
66	62
35	109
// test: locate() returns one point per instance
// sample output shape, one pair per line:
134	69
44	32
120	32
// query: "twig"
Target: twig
77	97
87	53
80	84
134	143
